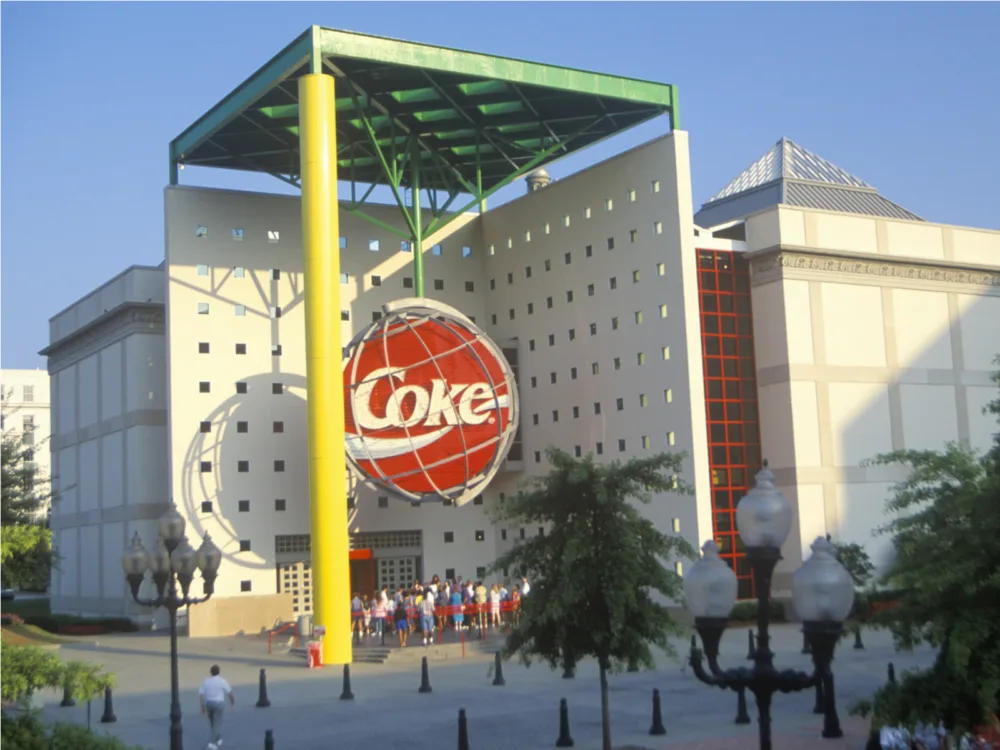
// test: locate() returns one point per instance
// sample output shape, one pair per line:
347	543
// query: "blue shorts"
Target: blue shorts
426	623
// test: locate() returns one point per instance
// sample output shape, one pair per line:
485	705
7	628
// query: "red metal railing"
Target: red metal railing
277	631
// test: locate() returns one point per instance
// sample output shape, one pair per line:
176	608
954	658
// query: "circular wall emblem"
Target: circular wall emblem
430	403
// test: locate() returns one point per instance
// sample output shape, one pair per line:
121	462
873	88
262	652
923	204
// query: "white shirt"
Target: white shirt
525	589
215	689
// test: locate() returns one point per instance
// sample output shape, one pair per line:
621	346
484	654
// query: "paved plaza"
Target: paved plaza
389	713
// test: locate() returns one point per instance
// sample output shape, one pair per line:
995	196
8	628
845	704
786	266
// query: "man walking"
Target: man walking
214	693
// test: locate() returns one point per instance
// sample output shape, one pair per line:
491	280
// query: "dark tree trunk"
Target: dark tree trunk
605	710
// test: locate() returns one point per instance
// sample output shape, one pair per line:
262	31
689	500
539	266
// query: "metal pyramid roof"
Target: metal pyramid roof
791	175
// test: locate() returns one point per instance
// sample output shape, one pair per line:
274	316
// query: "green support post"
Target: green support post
417	223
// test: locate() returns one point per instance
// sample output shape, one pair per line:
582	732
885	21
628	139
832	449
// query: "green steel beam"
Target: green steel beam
675	119
416	224
378	222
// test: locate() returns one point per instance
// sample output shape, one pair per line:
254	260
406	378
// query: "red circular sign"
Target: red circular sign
430	403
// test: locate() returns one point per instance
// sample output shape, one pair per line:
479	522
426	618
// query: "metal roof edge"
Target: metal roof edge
112	280
58	343
940	263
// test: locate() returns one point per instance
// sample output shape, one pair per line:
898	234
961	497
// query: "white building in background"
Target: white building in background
799	316
25	407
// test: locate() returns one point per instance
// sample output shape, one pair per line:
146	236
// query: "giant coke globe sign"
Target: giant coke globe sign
430	403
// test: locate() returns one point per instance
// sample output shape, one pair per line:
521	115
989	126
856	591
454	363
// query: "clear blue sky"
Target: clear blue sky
902	95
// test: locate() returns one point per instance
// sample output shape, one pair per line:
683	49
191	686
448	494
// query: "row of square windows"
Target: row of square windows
645	441
205	386
239	272
595	367
274	312
637	316
238	234
619	406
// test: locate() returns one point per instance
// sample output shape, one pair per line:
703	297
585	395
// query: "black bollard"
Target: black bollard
742	717
67	699
806	647
463	731
858	645
564	739
262	701
752	651
632	667
892	674
269	739
657	727
874	740
569	672
425	680
820	707
346	694
109	709
498	671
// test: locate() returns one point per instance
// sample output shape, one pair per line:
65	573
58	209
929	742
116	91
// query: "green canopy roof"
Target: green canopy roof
469	123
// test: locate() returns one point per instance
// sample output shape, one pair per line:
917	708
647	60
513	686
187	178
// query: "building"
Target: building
798	316
25	398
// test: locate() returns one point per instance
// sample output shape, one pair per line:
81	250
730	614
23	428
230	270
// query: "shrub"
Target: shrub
60	623
27	732
747	611
26	669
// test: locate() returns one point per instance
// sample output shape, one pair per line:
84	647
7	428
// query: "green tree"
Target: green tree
25	539
597	570
858	564
945	525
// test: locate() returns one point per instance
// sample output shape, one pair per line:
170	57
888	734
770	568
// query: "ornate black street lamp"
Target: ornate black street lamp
174	562
822	591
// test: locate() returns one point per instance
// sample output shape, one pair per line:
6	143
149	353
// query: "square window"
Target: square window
275	350
617	363
480	536
552	339
609	204
522	532
569	295
635	277
568	257
547	228
481	571
510	278
438	284
449	574
205	427
656	186
510	243
620	404
344	279
493	284
552	378
621	445
279	465
273	235
407	282
600	449
503	534
631	196
244	545
470	286
466	252
593	329
640	359
373	245
670	438
538	457
586	212
243	506
548	265
243	427
345	315
572	373
588	251
376	315
436	249
239	272
383	501
277	389
280	504
204	387
493	318
203	308
240	311
594	368
663	311
643	401
668	396
510	313
277	427
203	347
666	352
577	451
638	317
275	311
275	274
531	308
644	440
241	348
201	231
611	243
633	236
675	524
205	467
243	467
590	290
527	235
237	234
566	220
404	246
660	269
572	334
597	407
477	500
531	345
376	280
343	243
534	382
548	302
555	415
576	412
534	419
657	227
614	324
201	269
613	282
527	272
245	586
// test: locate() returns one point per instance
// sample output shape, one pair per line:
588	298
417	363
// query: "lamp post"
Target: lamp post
173	562
822	591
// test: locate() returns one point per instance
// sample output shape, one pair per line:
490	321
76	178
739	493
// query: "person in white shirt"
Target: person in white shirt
525	587
214	693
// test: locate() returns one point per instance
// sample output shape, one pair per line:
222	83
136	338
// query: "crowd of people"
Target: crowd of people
426	608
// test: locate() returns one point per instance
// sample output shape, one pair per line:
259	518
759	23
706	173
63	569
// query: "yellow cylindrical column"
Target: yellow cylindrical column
331	573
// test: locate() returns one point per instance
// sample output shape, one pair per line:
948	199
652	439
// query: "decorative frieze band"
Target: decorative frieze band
130	319
897	270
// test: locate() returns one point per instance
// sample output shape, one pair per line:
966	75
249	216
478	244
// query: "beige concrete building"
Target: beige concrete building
25	407
849	327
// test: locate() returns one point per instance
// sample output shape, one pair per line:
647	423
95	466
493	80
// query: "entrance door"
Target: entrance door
396	571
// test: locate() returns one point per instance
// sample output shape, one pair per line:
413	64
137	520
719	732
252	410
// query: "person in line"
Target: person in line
366	610
214	693
515	604
356	615
426	608
402	630
495	606
379	611
456	607
525	587
481	598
